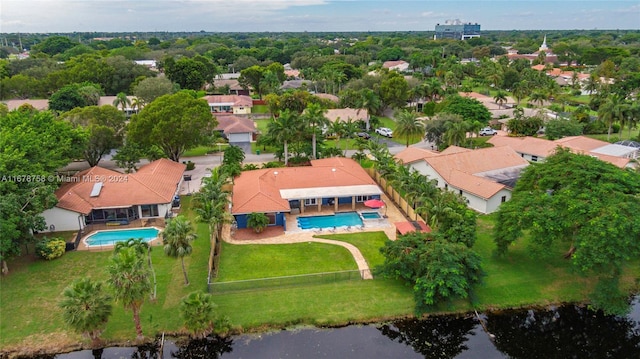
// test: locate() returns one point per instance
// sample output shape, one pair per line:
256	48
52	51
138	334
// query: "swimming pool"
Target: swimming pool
111	237
370	215
342	219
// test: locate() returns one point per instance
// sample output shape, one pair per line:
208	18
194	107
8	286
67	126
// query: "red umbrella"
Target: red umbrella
374	203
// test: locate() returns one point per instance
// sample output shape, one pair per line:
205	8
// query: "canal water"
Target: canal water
563	332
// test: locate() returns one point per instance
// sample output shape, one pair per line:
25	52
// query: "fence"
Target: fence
395	196
286	281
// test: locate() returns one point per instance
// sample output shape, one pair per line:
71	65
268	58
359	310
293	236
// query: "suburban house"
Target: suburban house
236	129
40	105
535	149
399	65
484	177
233	85
129	108
100	195
230	104
346	114
326	183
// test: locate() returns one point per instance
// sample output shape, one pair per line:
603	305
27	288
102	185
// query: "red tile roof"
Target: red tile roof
155	183
236	100
259	190
412	154
234	124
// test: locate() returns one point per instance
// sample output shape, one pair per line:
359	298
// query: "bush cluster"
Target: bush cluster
51	248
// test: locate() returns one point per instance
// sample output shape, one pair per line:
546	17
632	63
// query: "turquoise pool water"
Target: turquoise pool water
343	219
370	215
110	237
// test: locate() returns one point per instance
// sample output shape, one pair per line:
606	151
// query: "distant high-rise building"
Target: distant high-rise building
455	29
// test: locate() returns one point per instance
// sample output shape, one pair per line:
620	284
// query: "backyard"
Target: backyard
35	286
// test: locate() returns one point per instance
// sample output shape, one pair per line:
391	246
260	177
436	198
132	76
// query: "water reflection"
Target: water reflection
439	337
564	332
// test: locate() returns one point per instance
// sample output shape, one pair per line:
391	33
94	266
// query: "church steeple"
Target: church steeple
544	47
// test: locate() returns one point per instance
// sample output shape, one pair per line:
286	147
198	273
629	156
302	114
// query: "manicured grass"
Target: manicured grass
260	109
239	262
203	150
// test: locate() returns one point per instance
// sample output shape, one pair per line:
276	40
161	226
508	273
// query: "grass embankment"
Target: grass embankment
30	317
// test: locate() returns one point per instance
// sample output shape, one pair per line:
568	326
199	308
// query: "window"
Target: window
272	218
503	199
460	192
149	210
534	158
310	202
446	186
362	198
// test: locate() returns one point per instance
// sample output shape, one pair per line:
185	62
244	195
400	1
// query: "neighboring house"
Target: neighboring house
128	110
232	84
535	149
296	84
346	114
328	96
276	191
236	129
230	104
100	195
484	177
399	65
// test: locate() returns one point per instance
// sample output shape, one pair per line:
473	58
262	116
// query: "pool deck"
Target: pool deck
138	223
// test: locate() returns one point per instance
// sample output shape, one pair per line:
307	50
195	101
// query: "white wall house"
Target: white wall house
483	177
230	104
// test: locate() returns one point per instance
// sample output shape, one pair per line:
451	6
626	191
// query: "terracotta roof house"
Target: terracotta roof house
328	96
236	129
537	149
230	104
100	195
345	114
484	177
276	191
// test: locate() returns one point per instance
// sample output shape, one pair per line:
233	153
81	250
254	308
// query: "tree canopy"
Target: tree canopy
583	204
174	123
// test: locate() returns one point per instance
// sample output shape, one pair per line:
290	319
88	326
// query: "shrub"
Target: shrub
258	221
190	166
51	248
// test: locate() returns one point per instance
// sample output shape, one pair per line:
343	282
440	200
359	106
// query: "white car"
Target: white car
488	131
384	131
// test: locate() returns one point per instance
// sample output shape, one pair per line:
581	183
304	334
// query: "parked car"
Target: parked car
488	131
384	131
364	135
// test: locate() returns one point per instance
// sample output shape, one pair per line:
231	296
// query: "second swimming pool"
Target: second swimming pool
342	219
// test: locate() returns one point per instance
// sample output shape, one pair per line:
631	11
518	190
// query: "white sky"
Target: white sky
311	15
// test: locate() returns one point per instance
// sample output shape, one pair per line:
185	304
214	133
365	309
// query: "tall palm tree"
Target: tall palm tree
129	279
370	100
613	110
314	117
177	237
122	101
593	84
539	97
500	98
144	249
137	104
350	127
520	91
409	126
198	312
86	308
285	129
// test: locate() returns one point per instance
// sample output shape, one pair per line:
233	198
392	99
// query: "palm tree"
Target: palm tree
539	97
456	133
409	126
350	128
500	98
284	129
520	91
137	103
144	249
122	100
369	100
613	109
177	237
198	312
315	119
593	84
129	278
86	308
210	203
